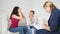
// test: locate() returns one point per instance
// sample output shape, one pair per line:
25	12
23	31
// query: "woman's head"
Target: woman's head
49	6
16	11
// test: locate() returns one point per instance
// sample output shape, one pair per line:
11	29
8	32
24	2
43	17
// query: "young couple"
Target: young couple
53	26
17	16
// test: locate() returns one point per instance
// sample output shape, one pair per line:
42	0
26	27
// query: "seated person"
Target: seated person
53	26
33	20
15	17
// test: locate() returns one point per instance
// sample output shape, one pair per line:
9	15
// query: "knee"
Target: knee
42	31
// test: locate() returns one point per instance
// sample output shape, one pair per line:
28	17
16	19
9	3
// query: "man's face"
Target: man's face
31	15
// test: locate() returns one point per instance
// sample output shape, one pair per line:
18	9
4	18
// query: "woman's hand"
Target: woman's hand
46	27
20	15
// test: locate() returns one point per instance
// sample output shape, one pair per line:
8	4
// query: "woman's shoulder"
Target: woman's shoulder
56	11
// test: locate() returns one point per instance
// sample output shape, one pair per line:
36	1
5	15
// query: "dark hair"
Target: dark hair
15	11
32	11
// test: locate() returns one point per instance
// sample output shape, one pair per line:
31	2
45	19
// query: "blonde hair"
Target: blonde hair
49	4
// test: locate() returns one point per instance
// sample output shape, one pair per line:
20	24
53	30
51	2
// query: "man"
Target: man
33	20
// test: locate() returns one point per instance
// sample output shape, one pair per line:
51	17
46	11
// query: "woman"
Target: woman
15	17
53	26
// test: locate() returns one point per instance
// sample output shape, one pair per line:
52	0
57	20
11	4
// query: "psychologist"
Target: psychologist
53	26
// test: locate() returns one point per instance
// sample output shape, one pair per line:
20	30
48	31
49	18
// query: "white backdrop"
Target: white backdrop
6	7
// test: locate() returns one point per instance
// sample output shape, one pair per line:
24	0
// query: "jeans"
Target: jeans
27	30
17	29
35	30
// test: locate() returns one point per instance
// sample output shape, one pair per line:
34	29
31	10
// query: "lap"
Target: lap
16	29
43	31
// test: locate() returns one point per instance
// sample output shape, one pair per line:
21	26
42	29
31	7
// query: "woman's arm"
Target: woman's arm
14	16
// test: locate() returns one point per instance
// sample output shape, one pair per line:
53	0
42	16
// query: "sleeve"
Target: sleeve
54	21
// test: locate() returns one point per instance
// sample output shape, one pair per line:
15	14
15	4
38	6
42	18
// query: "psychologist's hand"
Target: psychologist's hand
46	27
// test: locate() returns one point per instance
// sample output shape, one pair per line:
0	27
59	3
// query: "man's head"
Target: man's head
31	14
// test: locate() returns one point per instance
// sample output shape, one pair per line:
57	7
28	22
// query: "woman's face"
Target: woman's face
19	10
48	9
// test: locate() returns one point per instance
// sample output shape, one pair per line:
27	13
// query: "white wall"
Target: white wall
6	7
0	25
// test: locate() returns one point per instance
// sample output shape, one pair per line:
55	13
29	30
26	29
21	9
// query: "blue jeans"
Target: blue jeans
35	30
17	29
27	30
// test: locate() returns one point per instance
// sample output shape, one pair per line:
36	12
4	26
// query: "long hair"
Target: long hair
49	4
15	11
